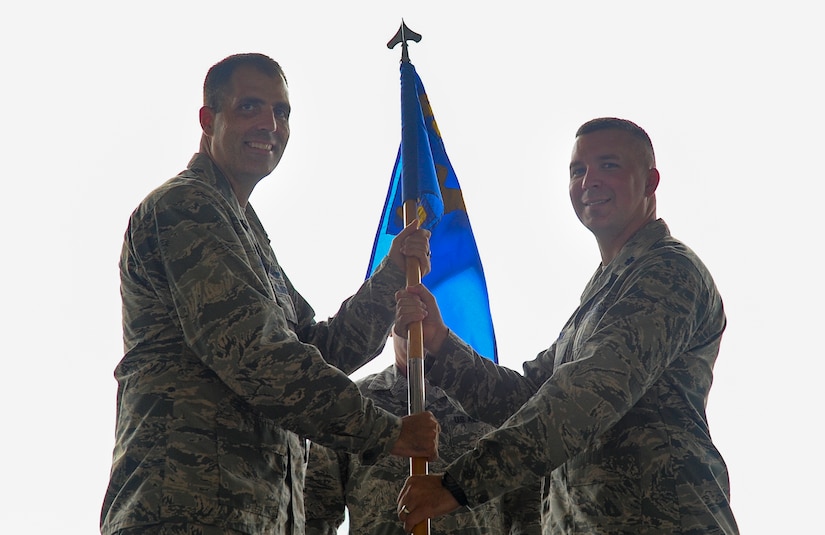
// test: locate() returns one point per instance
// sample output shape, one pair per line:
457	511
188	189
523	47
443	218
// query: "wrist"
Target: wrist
438	340
454	488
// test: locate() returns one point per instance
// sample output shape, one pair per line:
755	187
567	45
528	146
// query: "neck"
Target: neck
242	194
241	189
610	246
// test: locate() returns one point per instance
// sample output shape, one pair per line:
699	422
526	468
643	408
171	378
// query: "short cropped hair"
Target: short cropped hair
218	76
613	123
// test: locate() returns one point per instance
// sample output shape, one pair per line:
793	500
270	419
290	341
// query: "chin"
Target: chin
262	170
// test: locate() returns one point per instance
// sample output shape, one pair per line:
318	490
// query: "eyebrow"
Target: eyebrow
602	157
250	100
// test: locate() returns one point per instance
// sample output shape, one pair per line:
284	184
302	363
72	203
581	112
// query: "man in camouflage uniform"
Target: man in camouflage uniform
613	413
336	481
226	374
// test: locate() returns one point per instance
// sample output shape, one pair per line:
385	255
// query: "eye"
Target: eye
282	112
576	172
610	165
248	107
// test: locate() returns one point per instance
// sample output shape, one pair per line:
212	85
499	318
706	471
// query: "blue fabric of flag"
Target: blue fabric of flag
423	172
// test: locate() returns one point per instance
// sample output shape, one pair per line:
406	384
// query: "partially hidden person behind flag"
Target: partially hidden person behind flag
226	373
457	275
612	415
337	481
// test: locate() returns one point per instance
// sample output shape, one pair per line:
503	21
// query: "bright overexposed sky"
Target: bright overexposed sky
100	103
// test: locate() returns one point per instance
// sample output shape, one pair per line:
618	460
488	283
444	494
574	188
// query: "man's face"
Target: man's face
612	185
247	136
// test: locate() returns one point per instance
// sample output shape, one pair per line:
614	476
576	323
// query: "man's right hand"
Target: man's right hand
419	437
417	303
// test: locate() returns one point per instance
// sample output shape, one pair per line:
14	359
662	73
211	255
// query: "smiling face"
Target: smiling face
612	187
246	136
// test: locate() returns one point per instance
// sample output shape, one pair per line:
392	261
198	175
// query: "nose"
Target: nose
268	122
590	180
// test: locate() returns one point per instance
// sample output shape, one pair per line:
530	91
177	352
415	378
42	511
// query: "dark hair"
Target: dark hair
218	76
613	123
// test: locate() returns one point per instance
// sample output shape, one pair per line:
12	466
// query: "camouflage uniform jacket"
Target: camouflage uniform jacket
613	413
337	480
225	374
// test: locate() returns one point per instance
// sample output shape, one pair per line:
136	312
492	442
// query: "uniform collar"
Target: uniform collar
203	166
636	246
391	379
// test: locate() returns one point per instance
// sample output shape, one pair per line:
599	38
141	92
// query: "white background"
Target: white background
100	104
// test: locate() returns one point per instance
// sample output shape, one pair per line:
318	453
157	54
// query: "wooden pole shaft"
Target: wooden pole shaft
415	360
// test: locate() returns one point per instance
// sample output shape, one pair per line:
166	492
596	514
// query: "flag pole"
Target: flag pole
415	333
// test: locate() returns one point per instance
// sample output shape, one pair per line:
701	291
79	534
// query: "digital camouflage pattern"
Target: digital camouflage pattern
337	480
224	376
613	412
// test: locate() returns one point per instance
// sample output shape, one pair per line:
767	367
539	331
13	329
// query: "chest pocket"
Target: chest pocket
589	320
282	295
273	272
564	345
579	329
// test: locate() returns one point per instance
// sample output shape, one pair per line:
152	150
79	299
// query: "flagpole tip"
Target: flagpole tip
403	35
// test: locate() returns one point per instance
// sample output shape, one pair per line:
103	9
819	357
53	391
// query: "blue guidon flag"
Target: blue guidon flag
423	172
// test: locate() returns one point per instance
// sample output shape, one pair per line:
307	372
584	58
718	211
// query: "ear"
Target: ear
207	119
652	182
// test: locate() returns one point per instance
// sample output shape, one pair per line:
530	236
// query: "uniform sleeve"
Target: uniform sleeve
364	319
222	299
324	498
521	509
618	352
487	391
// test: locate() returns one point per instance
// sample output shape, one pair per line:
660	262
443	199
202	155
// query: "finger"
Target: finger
398	331
404	513
403	319
403	510
401	294
413	519
408	298
402	496
426	265
417	244
407	312
421	291
411	227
